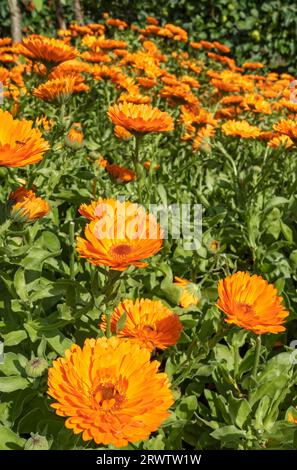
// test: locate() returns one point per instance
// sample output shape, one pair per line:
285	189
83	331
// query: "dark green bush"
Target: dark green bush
258	30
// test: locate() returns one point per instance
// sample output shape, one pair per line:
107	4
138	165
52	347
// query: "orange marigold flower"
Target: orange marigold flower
147	165
120	173
26	206
140	118
46	49
189	292
120	234
221	47
136	98
60	89
95	57
20	145
291	418
152	20
146	82
287	127
256	103
252	65
102	162
117	23
110	391
202	138
148	322
121	133
251	303
281	141
240	129
75	136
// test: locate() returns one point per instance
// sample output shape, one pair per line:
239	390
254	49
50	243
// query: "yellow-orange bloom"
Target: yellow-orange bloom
251	303
240	129
140	118
120	173
122	133
291	418
20	145
189	292
110	391
287	127
26	206
46	49
119	235
281	140
60	88
148	323
75	136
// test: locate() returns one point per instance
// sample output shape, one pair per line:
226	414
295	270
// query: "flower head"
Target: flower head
148	322
251	303
20	145
189	292
240	129
110	391
61	88
26	207
46	49
119	235
140	118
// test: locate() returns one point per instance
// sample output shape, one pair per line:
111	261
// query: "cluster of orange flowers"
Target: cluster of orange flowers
110	390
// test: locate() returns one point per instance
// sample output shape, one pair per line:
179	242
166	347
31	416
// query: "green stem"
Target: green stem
113	276
72	252
256	358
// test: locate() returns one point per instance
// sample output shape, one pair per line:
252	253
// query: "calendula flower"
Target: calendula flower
122	133
75	136
46	49
252	65
25	206
287	127
251	303
134	98
120	173
147	322
110	391
140	118
281	141
291	418
189	292
121	234
152	20
60	89
20	145
240	129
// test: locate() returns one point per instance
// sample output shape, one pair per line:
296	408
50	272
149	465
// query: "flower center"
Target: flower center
109	395
121	250
245	312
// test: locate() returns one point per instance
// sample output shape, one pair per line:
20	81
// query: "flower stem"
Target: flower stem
72	253
109	291
256	358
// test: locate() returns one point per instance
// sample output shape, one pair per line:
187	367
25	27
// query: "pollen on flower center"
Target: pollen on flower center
121	250
109	395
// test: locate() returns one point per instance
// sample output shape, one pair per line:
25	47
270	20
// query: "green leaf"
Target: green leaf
12	383
14	337
36	257
121	322
11	365
20	284
58	341
228	434
186	407
9	440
